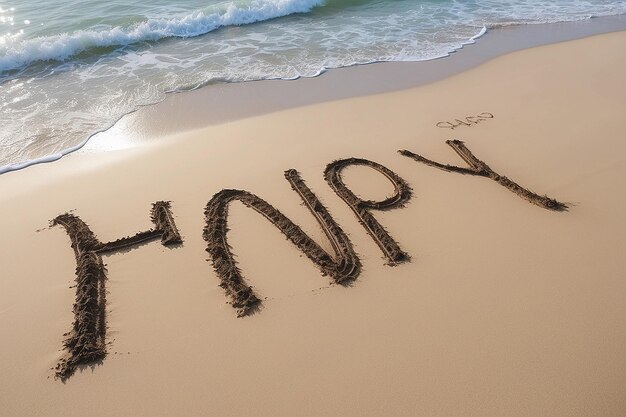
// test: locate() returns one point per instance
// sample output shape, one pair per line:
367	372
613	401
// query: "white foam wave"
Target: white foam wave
17	54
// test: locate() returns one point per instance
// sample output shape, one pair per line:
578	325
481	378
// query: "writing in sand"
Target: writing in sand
86	342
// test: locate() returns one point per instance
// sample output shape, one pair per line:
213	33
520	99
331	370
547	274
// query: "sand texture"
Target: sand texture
455	249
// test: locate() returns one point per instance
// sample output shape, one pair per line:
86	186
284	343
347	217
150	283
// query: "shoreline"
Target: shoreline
224	102
475	299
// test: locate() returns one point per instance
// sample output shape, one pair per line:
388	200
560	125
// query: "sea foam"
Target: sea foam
16	53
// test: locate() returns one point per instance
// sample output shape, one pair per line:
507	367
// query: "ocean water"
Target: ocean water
71	68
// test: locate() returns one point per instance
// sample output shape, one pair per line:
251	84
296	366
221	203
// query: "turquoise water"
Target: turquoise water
69	69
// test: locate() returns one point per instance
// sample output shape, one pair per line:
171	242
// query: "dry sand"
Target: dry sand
506	308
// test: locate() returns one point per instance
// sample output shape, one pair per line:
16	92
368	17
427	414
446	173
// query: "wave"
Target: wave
58	155
20	54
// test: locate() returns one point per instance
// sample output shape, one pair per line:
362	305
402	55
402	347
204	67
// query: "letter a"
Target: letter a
345	267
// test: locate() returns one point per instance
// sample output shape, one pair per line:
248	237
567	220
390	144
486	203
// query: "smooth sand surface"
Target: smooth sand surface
506	309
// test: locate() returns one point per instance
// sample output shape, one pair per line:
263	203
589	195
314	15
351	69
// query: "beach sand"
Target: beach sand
505	309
